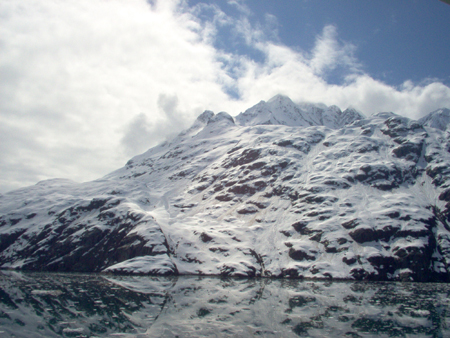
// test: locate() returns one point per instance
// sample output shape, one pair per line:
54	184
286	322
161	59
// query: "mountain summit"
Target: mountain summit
282	190
280	110
439	119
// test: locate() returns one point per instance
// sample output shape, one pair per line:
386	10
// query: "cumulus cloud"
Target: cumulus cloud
142	131
85	84
328	53
74	73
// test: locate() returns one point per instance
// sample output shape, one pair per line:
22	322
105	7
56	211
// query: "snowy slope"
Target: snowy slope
439	119
288	190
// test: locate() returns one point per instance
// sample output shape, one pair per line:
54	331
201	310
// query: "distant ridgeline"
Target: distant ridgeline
281	190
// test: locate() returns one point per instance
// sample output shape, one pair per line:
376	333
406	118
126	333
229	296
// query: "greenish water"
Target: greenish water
78	305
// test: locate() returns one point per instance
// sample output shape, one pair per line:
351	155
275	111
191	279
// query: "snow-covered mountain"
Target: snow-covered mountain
284	189
439	119
280	110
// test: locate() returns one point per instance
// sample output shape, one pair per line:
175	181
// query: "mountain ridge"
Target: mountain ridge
281	110
348	197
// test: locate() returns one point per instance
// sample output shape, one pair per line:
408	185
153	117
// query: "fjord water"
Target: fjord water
88	305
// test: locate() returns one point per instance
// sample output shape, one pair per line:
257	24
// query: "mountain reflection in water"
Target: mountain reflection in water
79	305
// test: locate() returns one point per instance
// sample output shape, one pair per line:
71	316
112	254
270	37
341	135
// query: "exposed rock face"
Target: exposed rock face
89	235
285	191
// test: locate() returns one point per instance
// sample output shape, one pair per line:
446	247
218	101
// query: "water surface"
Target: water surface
85	305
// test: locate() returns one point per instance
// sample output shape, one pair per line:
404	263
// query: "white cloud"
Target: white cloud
240	6
73	74
85	84
329	53
140	131
302	76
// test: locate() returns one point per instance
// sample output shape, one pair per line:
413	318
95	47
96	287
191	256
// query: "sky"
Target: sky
87	84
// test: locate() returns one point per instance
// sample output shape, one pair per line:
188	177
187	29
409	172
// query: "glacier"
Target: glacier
284	189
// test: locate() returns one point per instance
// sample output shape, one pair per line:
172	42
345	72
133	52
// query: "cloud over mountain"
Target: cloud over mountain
76	77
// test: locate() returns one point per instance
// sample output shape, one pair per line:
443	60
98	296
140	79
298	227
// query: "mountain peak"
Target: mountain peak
439	119
205	116
281	110
279	98
222	116
202	120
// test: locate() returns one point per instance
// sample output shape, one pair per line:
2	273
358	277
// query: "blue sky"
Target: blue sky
87	84
394	41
